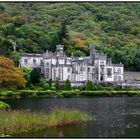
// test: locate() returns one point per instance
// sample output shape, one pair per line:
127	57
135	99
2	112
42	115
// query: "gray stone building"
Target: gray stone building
96	67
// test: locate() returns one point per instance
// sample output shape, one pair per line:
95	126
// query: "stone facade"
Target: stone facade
96	67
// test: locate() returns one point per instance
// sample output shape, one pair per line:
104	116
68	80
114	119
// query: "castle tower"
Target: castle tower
60	50
92	50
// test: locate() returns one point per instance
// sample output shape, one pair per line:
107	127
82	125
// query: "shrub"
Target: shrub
43	84
32	87
67	85
4	105
41	93
27	93
53	87
59	94
66	93
77	91
89	86
57	84
7	93
50	82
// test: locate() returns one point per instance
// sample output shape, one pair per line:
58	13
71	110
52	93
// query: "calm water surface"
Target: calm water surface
115	116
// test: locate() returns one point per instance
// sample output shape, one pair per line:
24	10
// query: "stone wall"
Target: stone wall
128	75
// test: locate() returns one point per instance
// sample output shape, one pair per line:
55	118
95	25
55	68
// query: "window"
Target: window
68	77
47	76
47	70
83	68
119	70
47	63
54	73
102	63
26	61
59	72
68	69
88	69
119	78
41	62
34	61
109	72
115	78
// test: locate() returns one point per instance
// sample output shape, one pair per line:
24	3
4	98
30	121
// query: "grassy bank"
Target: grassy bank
16	122
60	93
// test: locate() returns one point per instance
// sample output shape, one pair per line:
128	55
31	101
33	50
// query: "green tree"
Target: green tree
27	71
35	76
67	85
78	53
50	82
57	84
2	7
54	40
43	84
89	86
15	57
63	33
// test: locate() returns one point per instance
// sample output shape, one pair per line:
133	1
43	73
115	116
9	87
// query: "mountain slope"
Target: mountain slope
113	27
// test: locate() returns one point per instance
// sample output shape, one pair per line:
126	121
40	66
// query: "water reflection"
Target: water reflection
115	116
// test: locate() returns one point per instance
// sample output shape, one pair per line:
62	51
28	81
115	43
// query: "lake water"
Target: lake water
114	116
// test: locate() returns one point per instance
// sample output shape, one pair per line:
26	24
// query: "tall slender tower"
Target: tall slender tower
92	50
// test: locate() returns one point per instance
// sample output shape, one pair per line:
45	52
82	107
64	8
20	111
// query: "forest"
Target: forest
36	27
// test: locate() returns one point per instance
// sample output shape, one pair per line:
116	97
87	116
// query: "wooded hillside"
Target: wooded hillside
35	27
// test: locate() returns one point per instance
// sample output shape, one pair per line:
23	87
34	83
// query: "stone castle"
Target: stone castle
96	67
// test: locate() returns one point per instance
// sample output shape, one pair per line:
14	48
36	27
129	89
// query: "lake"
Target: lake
114	116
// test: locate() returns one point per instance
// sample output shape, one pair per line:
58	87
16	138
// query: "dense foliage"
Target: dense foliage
35	76
89	86
67	85
11	77
36	27
4	105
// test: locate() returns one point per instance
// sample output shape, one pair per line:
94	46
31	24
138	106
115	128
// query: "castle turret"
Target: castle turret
60	50
92	50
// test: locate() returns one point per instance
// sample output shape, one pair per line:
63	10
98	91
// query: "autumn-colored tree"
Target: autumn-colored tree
11	77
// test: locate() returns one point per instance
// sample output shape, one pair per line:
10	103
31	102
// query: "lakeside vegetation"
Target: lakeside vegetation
4	106
66	94
16	122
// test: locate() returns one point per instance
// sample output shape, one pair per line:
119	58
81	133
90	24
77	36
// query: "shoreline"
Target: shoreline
65	94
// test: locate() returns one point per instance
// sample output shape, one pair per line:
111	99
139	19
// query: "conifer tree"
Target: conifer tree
89	86
67	85
35	76
57	84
